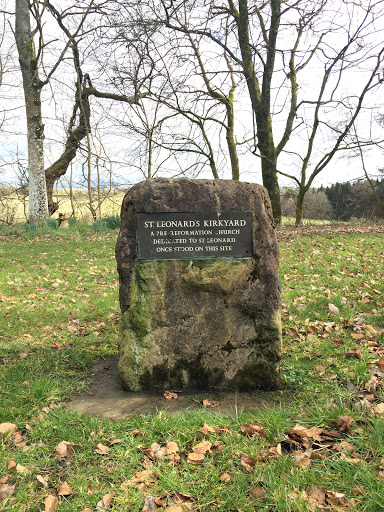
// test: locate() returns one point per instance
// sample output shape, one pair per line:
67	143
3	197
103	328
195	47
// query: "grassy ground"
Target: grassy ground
59	313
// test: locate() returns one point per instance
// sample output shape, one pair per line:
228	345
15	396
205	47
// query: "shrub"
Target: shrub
73	222
99	225
112	221
30	226
52	224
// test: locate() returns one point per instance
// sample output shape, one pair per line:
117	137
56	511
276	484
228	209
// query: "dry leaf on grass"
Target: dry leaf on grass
379	409
203	447
101	449
43	480
171	448
247	462
225	477
135	432
105	502
316	498
257	492
11	464
6	491
207	428
343	423
146	477
50	503
156	451
18	439
354	353
210	403
313	432
63	450
168	395
6	428
149	503
334	310
253	430
195	458
21	469
64	489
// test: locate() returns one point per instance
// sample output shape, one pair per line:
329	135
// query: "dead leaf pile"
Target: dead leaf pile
318	499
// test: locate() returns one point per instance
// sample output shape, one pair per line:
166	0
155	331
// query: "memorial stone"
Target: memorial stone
199	287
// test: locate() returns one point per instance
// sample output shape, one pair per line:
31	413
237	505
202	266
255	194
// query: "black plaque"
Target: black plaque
186	235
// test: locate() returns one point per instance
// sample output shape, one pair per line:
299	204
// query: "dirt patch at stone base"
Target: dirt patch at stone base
105	398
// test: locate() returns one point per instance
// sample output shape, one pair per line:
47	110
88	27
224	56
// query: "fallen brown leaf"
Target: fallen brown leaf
135	432
64	489
343	423
50	503
253	430
354	353
168	395
313	432
225	477
379	409
146	477
18	439
105	502
248	462
21	469
171	448
317	497
64	449
11	464
210	403
335	498
207	428
6	491
195	458
6	428
203	447
149	503
257	492
101	449
42	480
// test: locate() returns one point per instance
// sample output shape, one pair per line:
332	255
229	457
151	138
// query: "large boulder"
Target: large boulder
199	322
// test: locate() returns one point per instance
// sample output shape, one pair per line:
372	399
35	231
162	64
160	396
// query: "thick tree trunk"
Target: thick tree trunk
270	182
38	204
260	100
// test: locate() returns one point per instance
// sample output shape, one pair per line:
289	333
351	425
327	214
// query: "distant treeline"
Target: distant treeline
341	201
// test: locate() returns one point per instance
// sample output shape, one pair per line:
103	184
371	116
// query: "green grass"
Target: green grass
59	309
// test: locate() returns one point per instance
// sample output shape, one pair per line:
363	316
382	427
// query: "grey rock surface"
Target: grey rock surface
205	322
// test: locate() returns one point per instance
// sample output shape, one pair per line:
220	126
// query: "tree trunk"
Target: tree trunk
260	100
299	207
38	204
270	182
231	140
